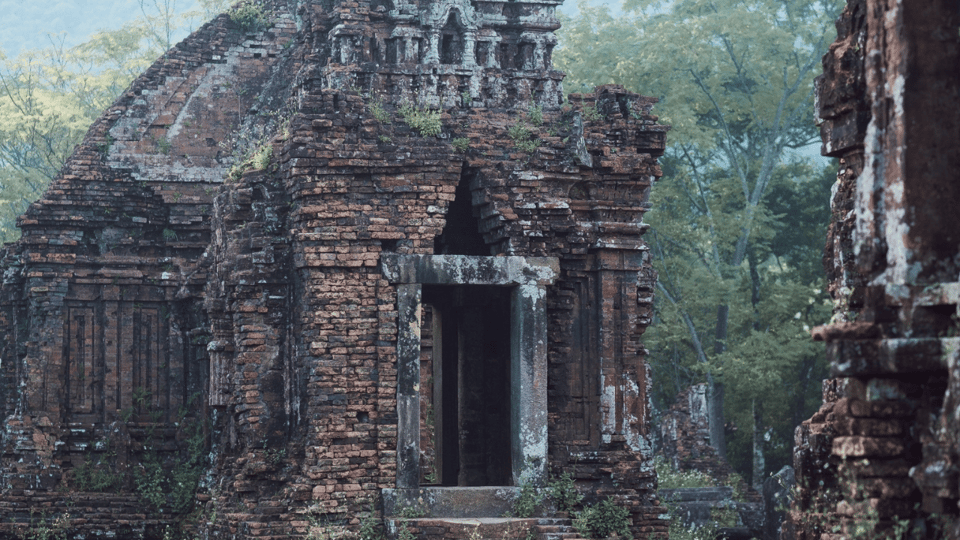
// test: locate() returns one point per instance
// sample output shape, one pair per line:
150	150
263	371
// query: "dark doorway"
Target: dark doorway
471	384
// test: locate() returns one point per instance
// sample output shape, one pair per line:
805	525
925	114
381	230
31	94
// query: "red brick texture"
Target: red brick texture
160	284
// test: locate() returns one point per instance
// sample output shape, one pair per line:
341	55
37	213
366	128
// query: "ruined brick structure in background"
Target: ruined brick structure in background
685	431
882	452
373	312
685	436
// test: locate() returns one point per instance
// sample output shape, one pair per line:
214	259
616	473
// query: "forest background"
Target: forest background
738	220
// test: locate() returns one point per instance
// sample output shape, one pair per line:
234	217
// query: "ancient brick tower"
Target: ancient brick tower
364	252
880	458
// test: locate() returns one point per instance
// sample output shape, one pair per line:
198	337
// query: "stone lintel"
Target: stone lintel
469	270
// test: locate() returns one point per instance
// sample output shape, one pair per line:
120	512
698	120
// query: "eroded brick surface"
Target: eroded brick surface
157	285
880	456
685	440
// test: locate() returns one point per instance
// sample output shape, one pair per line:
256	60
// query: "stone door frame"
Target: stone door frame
528	278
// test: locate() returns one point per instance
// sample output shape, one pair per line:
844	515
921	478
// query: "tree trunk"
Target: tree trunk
715	400
759	464
755	287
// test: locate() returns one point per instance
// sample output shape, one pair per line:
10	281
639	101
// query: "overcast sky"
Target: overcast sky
28	24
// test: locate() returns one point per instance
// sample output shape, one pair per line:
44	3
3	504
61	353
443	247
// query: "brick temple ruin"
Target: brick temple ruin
881	457
360	253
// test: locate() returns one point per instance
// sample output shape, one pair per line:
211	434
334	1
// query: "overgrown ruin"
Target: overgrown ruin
355	255
880	458
361	258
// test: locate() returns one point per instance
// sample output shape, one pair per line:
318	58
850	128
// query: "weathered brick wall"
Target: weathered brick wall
345	313
156	271
878	457
685	441
104	332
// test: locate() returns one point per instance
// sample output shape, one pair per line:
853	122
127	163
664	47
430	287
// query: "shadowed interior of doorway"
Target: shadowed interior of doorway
465	389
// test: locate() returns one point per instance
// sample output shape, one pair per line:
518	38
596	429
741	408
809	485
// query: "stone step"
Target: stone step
566	535
697	494
454	502
484	528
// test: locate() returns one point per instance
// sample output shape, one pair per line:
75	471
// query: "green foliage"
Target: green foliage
150	481
670	478
97	473
535	115
426	122
168	482
323	528
261	159
185	476
371	528
592	114
603	520
461	144
738	218
376	109
249	16
720	517
163	145
45	527
527	501
523	138
412	511
169	235
405	533
49	98
564	492
258	159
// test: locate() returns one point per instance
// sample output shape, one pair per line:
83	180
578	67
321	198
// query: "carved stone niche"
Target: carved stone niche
445	280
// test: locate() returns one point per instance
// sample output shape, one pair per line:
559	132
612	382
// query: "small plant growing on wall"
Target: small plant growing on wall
603	520
261	159
249	17
592	113
163	145
96	473
523	138
377	110
564	492
371	528
527	502
426	122
461	144
45	527
535	115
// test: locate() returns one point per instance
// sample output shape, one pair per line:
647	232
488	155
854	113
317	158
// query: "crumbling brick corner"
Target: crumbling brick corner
881	455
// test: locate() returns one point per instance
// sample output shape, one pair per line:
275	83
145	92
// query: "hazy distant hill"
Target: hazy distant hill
27	24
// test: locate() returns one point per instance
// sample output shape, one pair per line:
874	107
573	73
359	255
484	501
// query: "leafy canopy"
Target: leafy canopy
738	219
49	97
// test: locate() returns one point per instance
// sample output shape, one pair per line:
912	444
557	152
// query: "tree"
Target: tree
736	83
47	101
48	98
